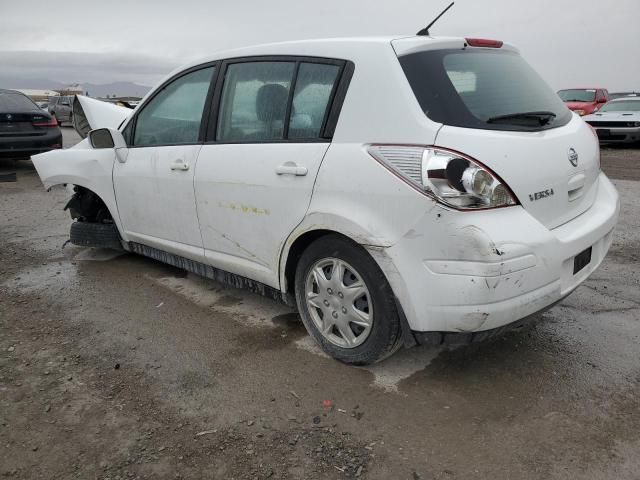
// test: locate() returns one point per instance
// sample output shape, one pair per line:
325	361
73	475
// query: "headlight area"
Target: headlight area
451	178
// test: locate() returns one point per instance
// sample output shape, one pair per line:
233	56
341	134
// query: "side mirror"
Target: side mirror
602	100
102	138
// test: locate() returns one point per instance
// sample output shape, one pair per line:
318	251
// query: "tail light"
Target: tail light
449	177
45	122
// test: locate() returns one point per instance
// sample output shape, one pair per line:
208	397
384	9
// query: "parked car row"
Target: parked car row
615	117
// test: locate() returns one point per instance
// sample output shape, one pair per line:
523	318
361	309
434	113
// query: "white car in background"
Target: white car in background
395	189
617	121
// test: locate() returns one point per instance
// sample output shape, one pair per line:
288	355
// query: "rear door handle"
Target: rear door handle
291	168
179	165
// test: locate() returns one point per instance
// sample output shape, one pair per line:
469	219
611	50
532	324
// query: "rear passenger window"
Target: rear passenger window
314	85
254	100
173	116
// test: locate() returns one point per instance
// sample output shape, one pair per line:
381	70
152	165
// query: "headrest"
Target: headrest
271	102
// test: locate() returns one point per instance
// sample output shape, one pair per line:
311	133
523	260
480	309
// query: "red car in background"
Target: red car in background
584	101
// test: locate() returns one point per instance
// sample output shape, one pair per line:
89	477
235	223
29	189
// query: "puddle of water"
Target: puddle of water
404	363
247	307
389	373
307	343
255	310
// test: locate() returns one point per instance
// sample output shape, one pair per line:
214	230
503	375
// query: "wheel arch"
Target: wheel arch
107	198
83	167
309	231
313	227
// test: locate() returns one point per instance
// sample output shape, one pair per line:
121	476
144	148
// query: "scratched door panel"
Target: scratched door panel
246	209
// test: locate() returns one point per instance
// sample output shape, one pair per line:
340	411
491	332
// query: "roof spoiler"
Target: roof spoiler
89	114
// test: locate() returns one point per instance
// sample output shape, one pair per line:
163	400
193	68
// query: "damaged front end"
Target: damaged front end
93	225
89	114
86	206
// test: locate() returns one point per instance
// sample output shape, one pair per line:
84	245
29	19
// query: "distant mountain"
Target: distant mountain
120	89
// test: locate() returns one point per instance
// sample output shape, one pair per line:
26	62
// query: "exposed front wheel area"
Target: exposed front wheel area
345	302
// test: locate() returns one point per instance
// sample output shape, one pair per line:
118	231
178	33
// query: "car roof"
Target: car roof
339	48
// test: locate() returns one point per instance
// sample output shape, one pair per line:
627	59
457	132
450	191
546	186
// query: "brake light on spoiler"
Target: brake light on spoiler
484	42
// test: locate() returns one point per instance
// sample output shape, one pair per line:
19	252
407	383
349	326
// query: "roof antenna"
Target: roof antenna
425	30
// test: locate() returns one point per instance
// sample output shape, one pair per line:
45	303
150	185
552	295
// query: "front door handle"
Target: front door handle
180	165
291	168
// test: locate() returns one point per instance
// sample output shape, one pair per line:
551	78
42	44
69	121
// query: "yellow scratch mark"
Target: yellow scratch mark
248	209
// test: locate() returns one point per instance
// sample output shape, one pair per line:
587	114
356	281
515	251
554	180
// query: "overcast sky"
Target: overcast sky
570	42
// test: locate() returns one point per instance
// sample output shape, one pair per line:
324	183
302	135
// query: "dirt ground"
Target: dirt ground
115	367
621	162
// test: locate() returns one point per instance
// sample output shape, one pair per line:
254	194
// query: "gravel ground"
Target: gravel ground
115	366
621	163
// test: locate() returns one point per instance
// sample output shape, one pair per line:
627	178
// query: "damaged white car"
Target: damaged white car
398	190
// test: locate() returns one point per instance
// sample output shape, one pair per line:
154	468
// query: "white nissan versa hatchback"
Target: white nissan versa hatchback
396	189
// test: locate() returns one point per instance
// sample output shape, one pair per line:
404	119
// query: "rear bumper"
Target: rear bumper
477	271
21	147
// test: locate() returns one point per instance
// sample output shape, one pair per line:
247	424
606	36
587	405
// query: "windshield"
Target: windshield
622	106
578	95
482	88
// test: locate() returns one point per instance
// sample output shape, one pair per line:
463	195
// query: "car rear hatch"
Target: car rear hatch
20	117
494	108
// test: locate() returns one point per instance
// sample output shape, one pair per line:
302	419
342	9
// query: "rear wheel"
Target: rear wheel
346	303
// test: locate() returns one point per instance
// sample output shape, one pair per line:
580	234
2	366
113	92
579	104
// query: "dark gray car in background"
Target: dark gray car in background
25	129
61	108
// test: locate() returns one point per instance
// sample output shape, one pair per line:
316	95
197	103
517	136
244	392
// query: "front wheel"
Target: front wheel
346	303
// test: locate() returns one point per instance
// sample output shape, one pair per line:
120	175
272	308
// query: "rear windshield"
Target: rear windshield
16	102
482	88
578	95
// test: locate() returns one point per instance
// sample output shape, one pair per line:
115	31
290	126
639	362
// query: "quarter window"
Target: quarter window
254	101
174	115
314	85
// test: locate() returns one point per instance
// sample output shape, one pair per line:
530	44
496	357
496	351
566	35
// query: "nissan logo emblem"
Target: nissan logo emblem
573	157
9	116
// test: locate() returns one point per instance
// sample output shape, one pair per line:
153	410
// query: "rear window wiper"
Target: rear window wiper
542	117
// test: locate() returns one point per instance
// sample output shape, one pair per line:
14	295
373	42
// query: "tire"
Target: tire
377	334
104	235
